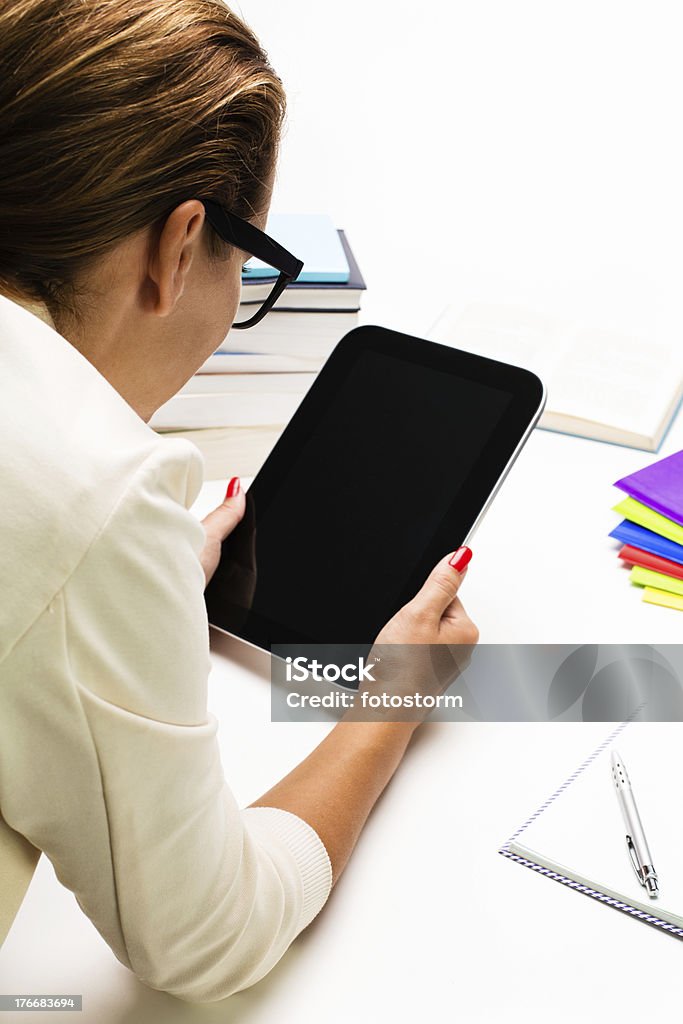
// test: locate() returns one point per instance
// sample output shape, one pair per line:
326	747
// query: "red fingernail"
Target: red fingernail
233	487
460	559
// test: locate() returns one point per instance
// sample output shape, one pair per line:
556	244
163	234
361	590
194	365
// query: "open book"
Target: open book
601	384
579	837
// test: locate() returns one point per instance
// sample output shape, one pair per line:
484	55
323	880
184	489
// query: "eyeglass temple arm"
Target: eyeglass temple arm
275	294
245	236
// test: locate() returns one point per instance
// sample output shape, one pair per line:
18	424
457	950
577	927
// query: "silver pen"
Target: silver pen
638	850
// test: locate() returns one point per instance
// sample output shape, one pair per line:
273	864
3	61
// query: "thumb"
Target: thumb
442	584
223	520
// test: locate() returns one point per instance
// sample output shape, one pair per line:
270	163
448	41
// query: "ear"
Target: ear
170	260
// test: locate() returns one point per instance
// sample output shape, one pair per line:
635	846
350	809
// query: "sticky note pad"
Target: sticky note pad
662	597
647	578
636	556
659	485
638	513
638	537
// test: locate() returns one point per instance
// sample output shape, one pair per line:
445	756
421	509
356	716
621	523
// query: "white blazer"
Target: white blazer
109	762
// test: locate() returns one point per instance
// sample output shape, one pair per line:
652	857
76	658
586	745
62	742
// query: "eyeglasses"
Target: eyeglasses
245	236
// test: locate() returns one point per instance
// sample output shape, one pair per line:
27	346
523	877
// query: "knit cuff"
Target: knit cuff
308	850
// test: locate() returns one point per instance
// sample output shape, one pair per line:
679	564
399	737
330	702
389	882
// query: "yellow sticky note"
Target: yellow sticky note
659	580
638	513
653	596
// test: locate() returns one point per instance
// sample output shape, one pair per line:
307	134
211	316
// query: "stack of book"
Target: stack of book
237	404
652	530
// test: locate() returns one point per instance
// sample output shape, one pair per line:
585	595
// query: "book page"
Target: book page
513	335
610	378
592	376
582	833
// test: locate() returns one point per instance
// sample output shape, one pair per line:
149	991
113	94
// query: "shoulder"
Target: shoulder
73	451
136	624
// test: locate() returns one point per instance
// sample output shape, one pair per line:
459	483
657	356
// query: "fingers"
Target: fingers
442	585
223	520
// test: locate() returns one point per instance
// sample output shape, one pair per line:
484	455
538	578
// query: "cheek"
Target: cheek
228	291
224	301
233	292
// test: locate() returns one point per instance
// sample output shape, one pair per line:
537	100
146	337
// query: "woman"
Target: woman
116	116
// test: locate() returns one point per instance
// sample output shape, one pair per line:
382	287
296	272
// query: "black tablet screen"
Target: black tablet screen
368	453
346	522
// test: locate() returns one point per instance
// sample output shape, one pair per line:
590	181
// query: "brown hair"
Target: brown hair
111	113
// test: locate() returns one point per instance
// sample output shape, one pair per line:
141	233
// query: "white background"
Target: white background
501	151
515	151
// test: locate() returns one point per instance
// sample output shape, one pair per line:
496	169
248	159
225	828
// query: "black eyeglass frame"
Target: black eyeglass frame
245	236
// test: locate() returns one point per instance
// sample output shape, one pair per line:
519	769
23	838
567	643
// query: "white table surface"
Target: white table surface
526	153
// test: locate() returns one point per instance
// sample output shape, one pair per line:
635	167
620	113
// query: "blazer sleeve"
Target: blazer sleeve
199	898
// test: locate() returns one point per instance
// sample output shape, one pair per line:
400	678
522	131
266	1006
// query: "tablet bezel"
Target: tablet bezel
497	456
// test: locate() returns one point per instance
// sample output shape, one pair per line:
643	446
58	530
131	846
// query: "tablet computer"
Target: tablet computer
388	464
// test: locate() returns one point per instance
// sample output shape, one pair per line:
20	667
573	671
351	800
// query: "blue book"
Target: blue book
646	540
313	238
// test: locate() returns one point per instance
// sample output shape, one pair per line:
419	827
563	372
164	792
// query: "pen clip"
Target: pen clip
634	860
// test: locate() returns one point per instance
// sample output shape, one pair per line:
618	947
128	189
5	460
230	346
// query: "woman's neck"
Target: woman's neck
38	309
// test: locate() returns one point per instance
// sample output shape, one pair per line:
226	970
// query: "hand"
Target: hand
432	638
436	614
219	524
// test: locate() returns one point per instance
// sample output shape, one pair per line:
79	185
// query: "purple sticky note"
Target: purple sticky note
659	486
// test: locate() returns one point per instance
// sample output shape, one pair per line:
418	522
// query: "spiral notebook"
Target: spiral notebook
577	837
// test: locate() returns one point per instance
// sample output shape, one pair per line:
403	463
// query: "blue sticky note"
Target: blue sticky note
646	540
311	237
